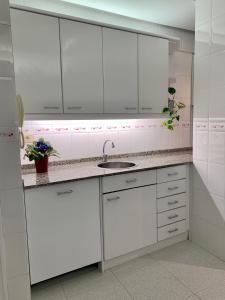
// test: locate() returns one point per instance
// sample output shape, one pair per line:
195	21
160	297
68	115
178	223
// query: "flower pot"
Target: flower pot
42	165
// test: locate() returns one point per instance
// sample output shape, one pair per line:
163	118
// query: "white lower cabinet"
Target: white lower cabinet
129	220
63	223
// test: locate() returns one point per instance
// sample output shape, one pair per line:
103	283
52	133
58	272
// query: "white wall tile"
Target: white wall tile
216	179
7	100
217	147
19	288
202	11
4	12
217	69
218	34
200	145
218	8
13	211
217	103
79	148
16	254
10	177
6	58
203	39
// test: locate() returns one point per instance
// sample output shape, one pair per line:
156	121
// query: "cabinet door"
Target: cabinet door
37	61
63	224
129	220
120	71
153	73
81	46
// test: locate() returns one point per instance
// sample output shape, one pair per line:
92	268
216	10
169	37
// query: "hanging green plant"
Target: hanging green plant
172	110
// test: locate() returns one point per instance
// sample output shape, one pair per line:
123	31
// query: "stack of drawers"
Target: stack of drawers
171	201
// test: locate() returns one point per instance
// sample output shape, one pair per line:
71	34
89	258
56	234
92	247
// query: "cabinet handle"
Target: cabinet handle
172	202
51	107
131	180
173	174
65	192
172	230
130	108
74	107
173	188
173	217
114	198
146	108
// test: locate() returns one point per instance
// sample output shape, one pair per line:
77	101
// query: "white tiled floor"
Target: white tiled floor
183	271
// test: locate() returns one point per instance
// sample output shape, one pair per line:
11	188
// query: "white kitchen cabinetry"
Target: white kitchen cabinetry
129	220
63	223
172	201
37	61
153	58
81	46
120	71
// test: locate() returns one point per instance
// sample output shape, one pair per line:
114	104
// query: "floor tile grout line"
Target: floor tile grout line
132	297
187	287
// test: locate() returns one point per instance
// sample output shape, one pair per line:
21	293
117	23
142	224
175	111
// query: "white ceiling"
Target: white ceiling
176	13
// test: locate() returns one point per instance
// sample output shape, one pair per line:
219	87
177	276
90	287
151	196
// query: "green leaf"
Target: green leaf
165	109
171	90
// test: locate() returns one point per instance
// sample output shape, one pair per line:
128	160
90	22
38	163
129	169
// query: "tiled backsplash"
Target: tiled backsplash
82	139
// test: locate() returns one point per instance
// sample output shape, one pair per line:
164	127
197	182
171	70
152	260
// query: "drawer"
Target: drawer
171	188
171	173
171	202
128	180
171	216
171	230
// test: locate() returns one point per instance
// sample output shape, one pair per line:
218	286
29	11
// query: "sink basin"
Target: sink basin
116	165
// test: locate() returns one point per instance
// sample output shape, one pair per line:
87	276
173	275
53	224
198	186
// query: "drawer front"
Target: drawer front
171	216
171	202
171	173
171	230
128	180
171	188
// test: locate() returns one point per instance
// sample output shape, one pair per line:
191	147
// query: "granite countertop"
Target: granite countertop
83	170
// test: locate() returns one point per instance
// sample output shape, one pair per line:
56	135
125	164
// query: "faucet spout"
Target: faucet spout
105	156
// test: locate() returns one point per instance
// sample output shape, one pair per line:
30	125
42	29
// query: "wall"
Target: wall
208	209
83	13
84	138
14	277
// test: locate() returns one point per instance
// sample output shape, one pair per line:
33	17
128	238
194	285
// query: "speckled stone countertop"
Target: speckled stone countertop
84	170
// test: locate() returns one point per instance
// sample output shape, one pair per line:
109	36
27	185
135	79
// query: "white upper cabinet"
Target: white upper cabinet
81	46
37	61
120	71
153	73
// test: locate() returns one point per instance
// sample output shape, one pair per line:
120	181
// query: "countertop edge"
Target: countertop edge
116	172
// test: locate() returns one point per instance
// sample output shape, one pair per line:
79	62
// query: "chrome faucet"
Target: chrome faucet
105	156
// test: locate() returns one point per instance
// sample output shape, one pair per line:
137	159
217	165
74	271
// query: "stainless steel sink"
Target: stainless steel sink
116	165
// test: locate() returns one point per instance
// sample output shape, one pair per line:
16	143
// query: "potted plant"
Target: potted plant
39	151
173	109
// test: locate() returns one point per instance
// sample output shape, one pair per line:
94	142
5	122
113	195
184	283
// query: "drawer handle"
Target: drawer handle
74	107
146	108
131	180
173	217
172	230
172	202
173	188
173	174
114	198
65	192
130	108
51	107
